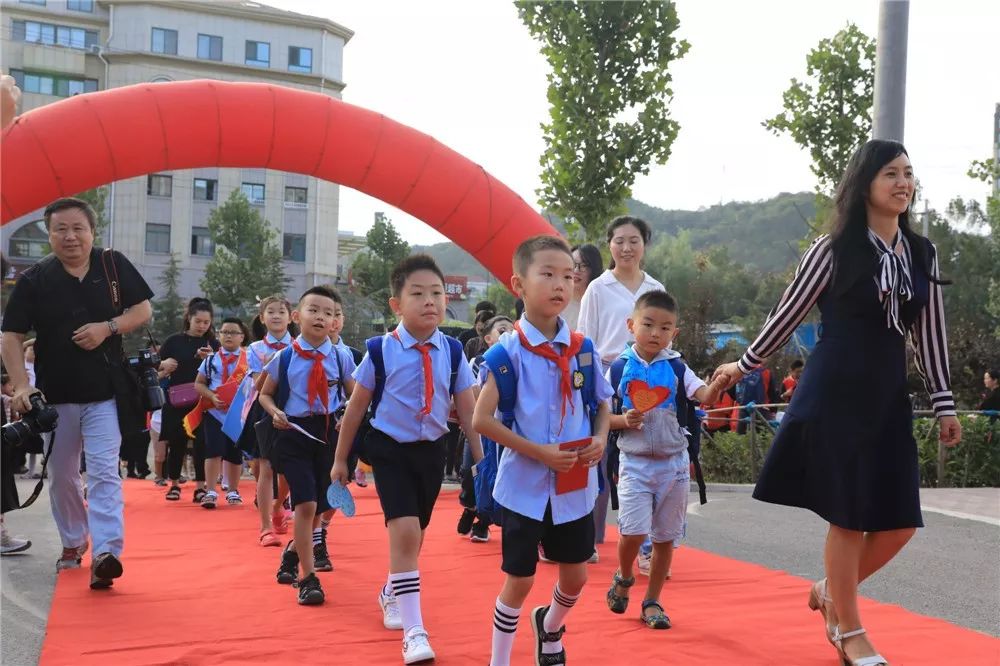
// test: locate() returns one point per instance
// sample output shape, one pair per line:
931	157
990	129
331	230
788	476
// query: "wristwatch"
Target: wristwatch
113	326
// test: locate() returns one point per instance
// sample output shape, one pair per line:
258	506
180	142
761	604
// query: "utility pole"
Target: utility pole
890	69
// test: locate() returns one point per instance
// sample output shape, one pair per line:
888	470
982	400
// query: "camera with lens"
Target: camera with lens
145	364
40	419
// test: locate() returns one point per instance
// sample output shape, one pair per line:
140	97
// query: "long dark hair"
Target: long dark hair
194	306
853	255
640	224
592	257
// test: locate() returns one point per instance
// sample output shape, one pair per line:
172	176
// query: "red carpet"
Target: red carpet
199	590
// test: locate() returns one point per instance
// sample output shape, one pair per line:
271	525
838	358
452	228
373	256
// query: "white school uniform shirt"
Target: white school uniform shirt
260	354
605	307
215	381
398	414
523	484
298	377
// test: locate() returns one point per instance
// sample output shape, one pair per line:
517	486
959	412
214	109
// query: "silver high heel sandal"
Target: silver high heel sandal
838	642
818	598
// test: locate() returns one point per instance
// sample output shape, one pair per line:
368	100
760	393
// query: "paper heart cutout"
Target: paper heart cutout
644	397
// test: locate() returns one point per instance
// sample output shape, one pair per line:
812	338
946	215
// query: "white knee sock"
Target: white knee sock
556	616
406	589
504	625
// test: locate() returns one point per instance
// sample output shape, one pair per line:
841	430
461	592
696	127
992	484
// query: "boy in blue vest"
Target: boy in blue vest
653	473
304	387
409	377
550	365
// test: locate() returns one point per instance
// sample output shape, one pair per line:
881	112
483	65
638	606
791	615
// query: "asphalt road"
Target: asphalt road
949	570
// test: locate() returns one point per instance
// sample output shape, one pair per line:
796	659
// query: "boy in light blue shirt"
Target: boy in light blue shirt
406	445
318	380
546	360
653	475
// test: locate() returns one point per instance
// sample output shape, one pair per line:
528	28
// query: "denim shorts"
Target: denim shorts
652	496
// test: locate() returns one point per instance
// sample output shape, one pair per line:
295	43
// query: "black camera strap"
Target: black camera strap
41	482
114	289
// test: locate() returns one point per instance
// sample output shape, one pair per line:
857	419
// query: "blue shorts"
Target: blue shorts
652	496
217	443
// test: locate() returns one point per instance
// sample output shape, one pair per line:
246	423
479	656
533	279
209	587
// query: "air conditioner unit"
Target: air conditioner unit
95	49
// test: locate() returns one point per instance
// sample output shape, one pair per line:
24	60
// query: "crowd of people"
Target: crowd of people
578	401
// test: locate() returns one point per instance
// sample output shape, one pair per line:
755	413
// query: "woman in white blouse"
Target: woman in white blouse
610	298
607	305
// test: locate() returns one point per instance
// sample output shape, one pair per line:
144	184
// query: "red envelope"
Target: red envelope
578	475
644	397
226	393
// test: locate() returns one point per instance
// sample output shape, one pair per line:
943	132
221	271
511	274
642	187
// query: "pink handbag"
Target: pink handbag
183	395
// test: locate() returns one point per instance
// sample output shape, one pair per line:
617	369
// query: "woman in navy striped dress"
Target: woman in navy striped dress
845	448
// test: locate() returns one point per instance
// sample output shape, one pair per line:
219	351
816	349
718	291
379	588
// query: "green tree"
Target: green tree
97	198
609	95
168	310
829	113
500	296
247	262
372	268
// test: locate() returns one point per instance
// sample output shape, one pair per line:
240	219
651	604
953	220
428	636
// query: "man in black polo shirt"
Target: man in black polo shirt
66	299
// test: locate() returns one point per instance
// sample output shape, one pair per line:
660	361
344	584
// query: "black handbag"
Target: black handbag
124	381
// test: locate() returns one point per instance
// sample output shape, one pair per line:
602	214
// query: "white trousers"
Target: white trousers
93	428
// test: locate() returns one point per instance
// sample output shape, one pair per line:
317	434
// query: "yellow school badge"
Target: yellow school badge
577	380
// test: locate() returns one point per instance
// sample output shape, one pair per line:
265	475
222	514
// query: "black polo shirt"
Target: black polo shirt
53	303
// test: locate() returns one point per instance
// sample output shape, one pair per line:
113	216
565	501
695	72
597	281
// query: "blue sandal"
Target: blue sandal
658	620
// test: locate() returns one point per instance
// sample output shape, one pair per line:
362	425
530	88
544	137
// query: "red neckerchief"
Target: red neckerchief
318	388
546	351
276	346
227	360
425	352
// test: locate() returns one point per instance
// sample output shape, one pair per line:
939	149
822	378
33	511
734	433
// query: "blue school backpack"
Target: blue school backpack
499	363
752	388
687	417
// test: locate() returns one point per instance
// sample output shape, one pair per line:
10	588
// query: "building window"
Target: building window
295	247
48	84
296	197
164	41
30	241
209	47
158	238
204	189
53	35
258	53
254	192
159	186
80	5
300	59
201	242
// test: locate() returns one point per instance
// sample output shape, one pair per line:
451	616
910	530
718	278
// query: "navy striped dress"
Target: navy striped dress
845	448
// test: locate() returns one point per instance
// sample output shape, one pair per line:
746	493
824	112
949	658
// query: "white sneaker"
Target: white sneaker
594	559
643	563
390	611
416	647
361	477
10	545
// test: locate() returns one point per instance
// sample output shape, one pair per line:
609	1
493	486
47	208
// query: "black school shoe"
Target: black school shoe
103	570
310	591
480	532
288	572
321	557
542	637
465	522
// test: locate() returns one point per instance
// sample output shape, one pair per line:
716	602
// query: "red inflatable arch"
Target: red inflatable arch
93	139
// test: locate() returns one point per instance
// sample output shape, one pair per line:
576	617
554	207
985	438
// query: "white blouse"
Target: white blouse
605	307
